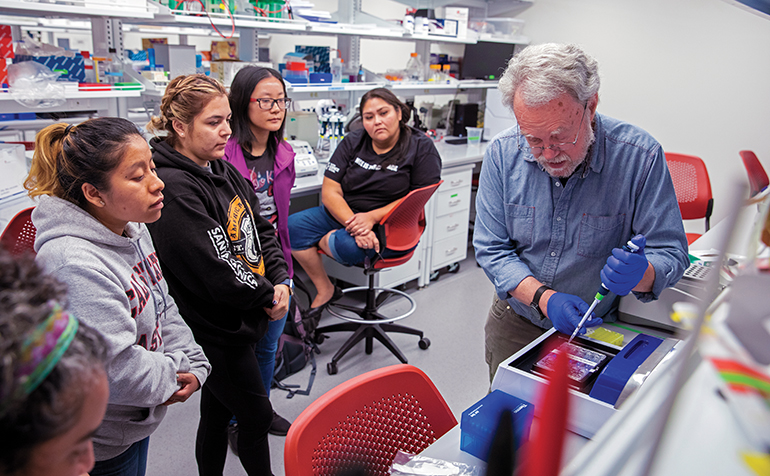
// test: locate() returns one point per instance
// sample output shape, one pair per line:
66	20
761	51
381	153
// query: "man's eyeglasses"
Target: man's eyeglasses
268	103
533	146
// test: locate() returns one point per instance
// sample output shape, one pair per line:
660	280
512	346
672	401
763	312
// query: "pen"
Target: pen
603	291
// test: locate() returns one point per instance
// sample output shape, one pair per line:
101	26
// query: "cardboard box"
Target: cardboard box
13	163
224	50
319	56
461	16
6	42
148	43
225	71
71	68
3	72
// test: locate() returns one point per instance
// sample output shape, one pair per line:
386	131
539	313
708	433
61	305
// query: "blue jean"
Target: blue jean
266	348
306	228
132	462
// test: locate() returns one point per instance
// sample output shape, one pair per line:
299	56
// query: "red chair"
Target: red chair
362	423
19	236
758	180
692	187
402	227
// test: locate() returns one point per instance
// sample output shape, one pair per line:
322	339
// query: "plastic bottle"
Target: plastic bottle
414	69
408	23
360	75
445	72
435	73
337	70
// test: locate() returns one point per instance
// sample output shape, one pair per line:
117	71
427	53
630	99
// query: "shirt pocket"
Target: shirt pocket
520	221
598	235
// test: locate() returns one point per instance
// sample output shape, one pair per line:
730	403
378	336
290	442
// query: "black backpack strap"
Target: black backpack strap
291	388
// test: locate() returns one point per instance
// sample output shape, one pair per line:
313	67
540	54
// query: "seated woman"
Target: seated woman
97	188
370	171
53	387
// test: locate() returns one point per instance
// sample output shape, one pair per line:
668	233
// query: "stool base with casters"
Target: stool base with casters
368	324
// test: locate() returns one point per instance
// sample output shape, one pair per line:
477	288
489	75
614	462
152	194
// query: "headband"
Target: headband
41	351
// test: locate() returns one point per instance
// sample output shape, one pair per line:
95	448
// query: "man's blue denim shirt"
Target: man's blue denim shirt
529	224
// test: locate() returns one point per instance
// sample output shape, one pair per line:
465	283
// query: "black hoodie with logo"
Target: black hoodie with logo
221	259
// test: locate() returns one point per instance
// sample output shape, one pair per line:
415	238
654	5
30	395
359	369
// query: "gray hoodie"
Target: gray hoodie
115	285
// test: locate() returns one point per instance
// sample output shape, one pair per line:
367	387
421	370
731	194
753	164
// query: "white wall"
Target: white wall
694	73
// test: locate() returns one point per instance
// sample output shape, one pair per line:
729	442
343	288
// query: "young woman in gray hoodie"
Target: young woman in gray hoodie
97	186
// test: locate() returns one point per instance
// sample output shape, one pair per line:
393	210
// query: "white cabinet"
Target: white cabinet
449	214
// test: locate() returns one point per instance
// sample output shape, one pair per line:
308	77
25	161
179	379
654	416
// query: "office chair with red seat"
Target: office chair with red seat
402	227
363	422
758	180
19	236
692	187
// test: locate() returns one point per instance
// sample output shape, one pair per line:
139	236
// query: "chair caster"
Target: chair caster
424	343
434	276
331	367
453	268
319	338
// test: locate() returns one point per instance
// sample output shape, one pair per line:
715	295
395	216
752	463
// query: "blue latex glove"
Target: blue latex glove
566	310
625	269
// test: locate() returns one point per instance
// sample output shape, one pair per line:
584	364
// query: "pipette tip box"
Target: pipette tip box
479	422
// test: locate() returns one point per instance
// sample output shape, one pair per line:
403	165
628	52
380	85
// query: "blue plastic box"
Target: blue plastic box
479	422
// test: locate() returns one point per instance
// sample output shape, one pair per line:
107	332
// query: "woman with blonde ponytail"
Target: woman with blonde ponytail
225	266
97	187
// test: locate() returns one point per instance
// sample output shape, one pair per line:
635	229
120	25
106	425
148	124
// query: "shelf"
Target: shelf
79	101
77	8
312	91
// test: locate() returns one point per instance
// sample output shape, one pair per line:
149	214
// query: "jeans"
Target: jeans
306	228
132	462
266	348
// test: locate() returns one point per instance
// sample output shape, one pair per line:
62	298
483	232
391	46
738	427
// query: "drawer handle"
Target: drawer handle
451	251
452	227
455	183
455	202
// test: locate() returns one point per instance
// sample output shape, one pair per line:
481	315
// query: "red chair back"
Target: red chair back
404	224
363	422
757	176
692	187
19	236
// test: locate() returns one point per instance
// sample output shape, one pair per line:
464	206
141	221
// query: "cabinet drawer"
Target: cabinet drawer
449	250
450	225
453	180
452	201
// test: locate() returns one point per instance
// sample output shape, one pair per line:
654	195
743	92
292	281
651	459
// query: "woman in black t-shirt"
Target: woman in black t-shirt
370	171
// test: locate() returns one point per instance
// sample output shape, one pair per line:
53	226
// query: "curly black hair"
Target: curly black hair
52	408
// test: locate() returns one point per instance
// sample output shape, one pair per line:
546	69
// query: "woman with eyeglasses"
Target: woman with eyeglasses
224	264
97	189
369	172
258	102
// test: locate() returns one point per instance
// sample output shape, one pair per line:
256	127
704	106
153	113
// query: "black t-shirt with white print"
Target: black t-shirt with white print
367	185
261	176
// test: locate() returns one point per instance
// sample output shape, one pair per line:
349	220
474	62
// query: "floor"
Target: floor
451	311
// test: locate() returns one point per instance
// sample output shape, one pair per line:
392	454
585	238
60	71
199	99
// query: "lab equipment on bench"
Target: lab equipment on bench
305	162
602	375
631	247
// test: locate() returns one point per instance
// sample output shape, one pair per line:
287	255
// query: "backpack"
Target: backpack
295	349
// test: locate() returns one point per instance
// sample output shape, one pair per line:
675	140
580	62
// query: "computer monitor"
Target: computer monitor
485	60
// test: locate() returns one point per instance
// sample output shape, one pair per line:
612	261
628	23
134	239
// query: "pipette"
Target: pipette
603	291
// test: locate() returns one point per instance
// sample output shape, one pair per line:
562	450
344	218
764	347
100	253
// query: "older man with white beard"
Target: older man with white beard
559	194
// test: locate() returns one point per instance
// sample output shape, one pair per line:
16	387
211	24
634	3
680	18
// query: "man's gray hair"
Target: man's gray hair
540	73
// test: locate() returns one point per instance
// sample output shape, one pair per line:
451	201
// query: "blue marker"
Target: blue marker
603	291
